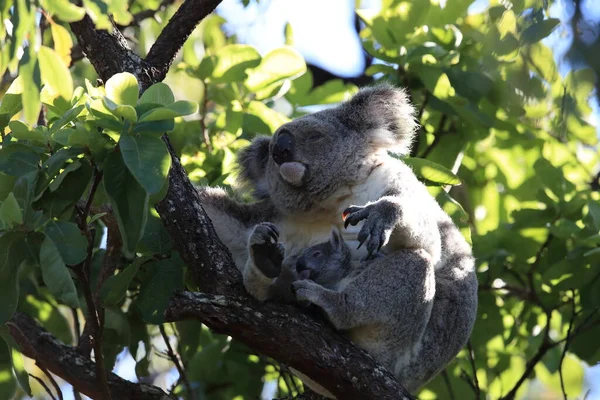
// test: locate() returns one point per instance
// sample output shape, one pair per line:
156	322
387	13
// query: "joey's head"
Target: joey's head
307	160
325	263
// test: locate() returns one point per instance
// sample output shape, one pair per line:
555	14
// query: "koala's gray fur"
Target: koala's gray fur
334	162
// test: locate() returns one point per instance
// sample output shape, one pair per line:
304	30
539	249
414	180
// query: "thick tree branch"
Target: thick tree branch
194	237
174	35
65	362
285	333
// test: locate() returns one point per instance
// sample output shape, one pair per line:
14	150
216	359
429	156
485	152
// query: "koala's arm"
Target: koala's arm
233	221
407	217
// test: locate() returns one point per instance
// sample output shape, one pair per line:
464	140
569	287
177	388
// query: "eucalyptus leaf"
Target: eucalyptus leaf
148	160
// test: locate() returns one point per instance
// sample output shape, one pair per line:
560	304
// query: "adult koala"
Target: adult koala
335	162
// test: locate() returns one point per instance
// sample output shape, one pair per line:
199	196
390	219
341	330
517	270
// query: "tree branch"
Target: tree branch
109	52
311	347
174	35
65	362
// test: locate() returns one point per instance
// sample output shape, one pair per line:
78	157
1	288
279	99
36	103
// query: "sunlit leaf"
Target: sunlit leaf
122	89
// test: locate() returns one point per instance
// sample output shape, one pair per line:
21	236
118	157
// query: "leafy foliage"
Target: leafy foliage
498	122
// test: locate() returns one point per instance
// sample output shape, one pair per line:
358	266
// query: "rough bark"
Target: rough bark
67	363
194	236
280	331
180	26
287	334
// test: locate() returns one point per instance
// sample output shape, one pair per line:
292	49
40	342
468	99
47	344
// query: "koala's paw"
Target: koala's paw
307	291
380	220
265	249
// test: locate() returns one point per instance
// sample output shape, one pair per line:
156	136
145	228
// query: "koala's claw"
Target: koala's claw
354	214
377	228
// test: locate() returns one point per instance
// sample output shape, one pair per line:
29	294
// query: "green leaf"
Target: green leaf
8	383
128	199
55	73
55	273
10	212
11	102
539	30
29	70
229	64
123	89
594	212
177	109
12	254
159	93
67	117
20	372
430	171
62	42
7	183
22	131
68	193
69	241
63	9
269	118
164	277
279	64
148	160
124	111
115	287
18	159
74	166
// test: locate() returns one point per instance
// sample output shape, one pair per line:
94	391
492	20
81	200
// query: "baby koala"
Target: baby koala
382	306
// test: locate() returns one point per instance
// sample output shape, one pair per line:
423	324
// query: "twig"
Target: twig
53	382
546	345
567	342
475	379
439	133
46	388
203	117
175	359
95	317
67	363
76	325
448	385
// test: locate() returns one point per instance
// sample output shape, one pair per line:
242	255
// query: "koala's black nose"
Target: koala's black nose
301	264
283	150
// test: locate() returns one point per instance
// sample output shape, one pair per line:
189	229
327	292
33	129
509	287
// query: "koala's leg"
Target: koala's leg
234	221
396	289
412	222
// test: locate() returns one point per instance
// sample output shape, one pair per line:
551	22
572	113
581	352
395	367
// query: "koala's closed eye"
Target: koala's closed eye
315	136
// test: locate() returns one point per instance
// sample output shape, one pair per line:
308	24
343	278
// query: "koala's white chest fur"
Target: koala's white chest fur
301	231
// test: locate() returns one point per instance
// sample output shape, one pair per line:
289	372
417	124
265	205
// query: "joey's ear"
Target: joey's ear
383	114
252	162
336	240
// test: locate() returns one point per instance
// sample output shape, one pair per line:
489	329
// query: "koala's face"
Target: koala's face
325	263
309	159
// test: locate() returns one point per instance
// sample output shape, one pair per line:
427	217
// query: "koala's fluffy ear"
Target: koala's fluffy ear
252	163
336	240
383	113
